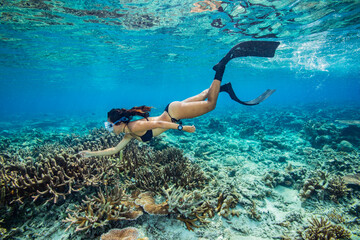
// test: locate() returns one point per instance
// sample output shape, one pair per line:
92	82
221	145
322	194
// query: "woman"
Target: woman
119	120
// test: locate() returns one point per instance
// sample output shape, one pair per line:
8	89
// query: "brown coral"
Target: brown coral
324	230
97	211
147	202
53	177
156	169
337	188
225	202
129	233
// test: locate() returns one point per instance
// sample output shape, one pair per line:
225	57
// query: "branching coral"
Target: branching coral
253	213
314	185
337	188
336	217
161	168
225	202
97	211
330	187
198	205
54	176
324	230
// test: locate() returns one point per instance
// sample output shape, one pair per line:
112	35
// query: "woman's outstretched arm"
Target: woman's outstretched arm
149	125
109	151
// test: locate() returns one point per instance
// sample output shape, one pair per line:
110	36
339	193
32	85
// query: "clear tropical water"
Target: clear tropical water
279	165
90	56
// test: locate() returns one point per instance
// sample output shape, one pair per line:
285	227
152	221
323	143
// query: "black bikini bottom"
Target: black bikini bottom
174	120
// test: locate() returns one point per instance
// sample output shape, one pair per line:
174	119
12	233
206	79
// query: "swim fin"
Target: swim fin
228	88
247	49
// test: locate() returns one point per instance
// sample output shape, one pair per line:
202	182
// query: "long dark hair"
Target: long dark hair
117	113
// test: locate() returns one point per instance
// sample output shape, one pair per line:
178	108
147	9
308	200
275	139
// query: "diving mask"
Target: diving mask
110	126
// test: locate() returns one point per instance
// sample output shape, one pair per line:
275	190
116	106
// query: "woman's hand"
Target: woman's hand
85	154
189	129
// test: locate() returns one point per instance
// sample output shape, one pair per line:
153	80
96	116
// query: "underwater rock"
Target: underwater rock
345	146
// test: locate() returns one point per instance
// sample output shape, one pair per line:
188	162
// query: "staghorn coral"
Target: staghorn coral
54	176
336	188
188	205
324	230
97	211
335	217
51	171
181	201
156	169
198	205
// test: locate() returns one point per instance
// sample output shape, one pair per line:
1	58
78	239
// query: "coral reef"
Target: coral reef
274	178
225	202
324	186
155	169
97	211
128	233
198	205
324	230
336	188
243	182
147	202
53	177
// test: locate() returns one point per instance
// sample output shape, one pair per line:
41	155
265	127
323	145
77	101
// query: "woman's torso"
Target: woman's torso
155	132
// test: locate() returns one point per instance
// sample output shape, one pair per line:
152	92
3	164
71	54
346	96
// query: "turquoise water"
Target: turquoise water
73	56
65	64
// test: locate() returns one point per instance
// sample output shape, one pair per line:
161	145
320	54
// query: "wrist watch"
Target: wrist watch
180	127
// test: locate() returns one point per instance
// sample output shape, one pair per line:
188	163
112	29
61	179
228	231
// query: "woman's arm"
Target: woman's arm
109	151
149	125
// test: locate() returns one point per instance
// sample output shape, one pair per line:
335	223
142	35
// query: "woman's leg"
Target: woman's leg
191	109
200	97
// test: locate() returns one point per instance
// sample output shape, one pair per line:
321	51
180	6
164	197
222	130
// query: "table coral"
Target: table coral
128	233
147	202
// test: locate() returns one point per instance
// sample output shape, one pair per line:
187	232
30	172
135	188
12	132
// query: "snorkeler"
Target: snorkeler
119	120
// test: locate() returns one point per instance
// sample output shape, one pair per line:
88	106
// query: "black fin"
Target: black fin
228	88
255	49
248	49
